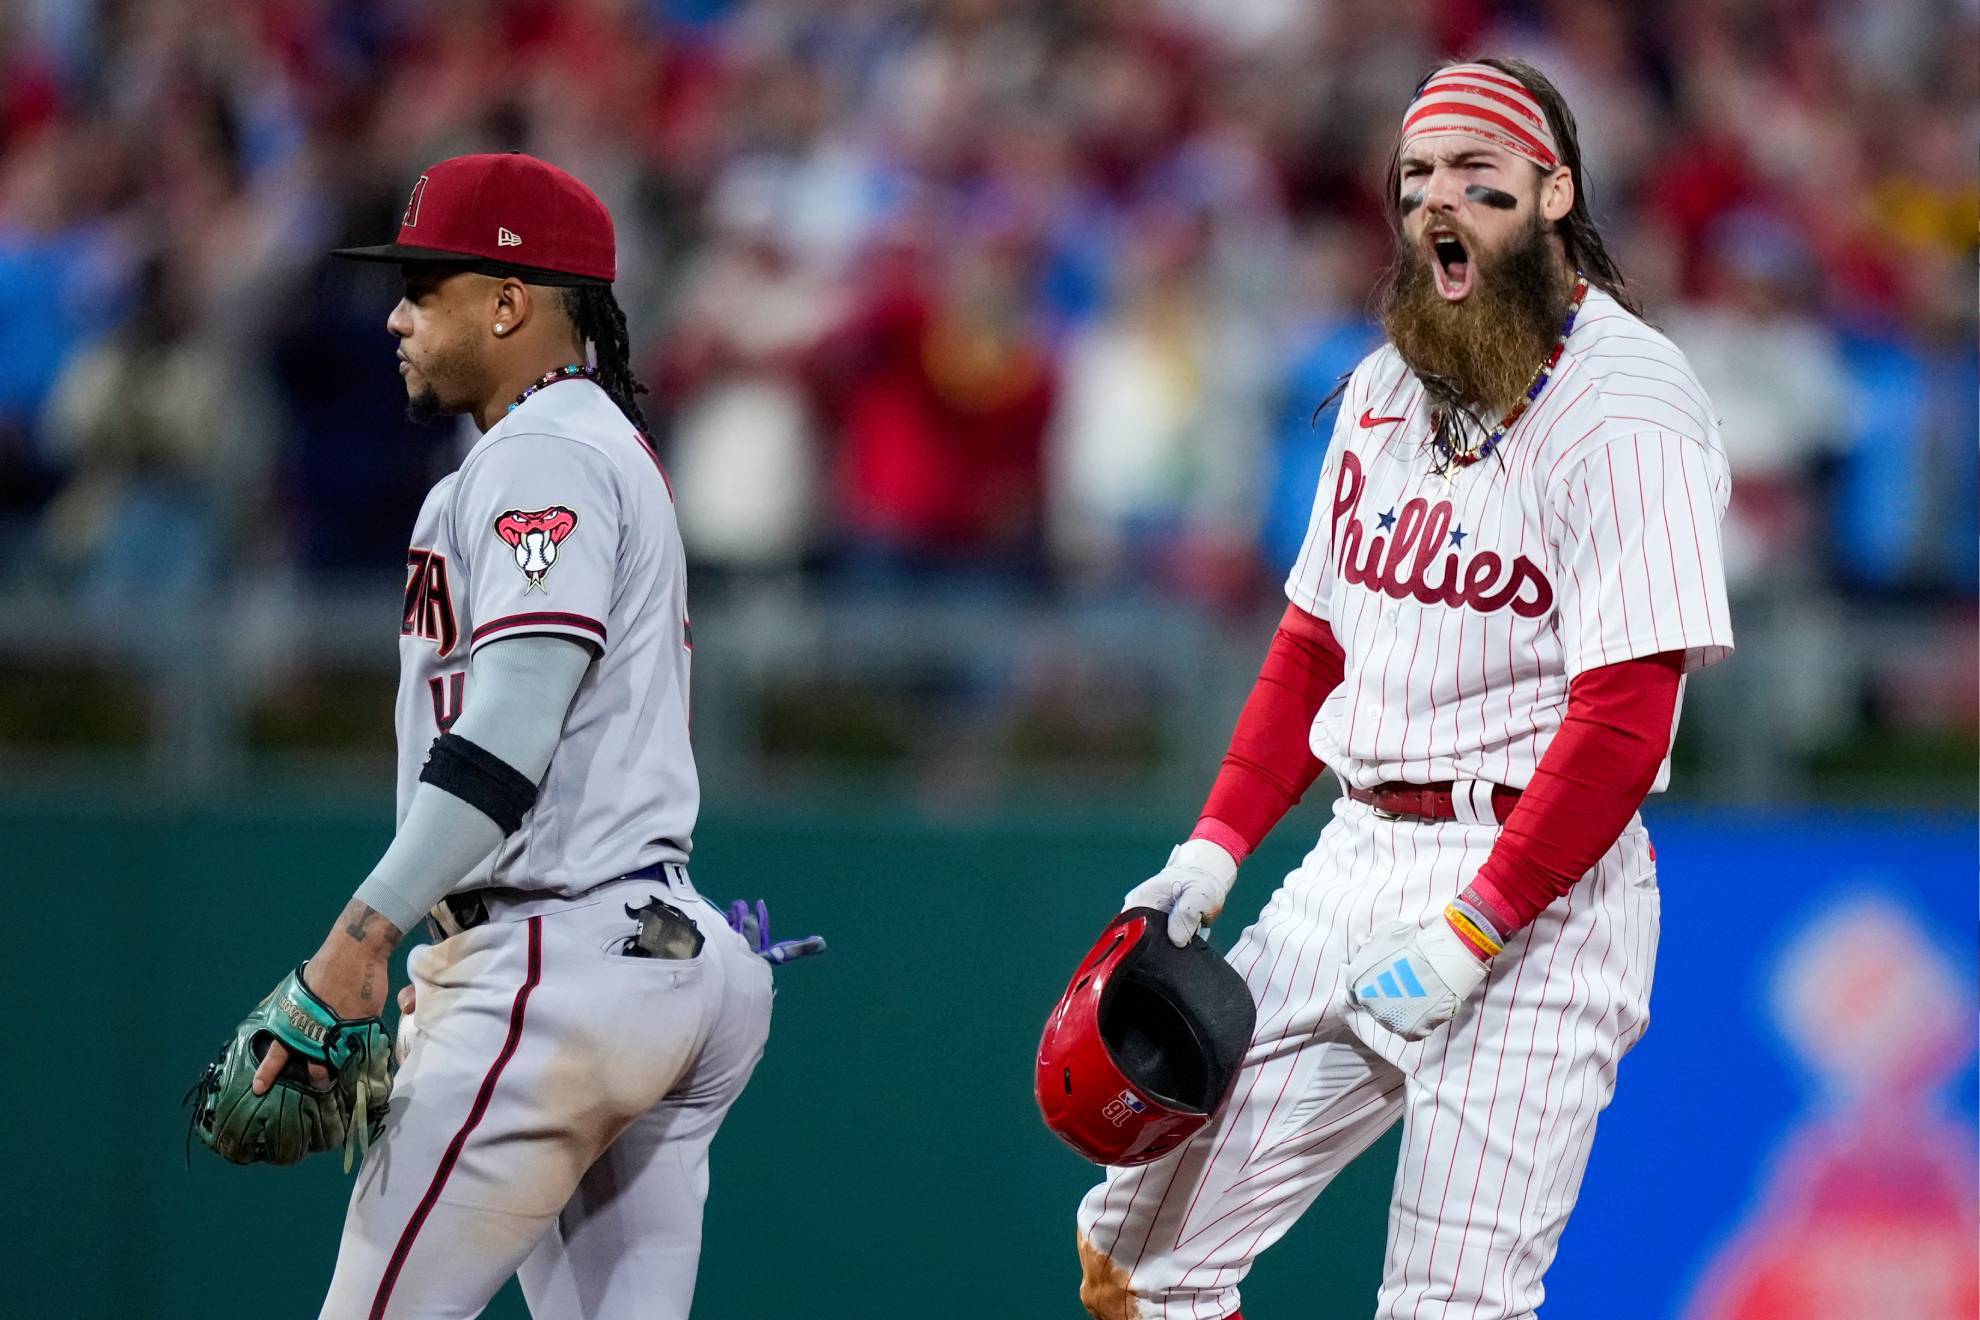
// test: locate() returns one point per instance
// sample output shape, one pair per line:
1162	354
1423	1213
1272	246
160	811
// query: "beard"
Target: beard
452	367
1478	355
423	405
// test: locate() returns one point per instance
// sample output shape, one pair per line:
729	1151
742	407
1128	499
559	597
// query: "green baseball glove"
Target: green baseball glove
296	1116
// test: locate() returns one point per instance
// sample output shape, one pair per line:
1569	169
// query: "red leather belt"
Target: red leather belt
1429	801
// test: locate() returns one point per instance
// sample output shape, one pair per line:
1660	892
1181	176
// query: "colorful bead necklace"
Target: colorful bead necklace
572	372
1453	457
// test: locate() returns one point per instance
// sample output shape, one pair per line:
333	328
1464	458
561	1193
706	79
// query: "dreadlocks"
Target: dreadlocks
601	324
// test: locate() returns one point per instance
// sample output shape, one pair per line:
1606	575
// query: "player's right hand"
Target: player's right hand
402	1039
753	924
1191	888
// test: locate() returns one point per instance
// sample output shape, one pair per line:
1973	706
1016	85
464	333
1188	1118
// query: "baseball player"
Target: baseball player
1513	561
584	1019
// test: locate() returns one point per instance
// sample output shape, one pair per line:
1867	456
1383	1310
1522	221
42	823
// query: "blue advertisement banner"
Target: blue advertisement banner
1795	1137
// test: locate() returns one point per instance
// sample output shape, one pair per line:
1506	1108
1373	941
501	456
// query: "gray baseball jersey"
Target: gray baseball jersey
561	1081
561	520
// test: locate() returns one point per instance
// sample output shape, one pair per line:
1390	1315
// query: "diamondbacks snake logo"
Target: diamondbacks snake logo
535	536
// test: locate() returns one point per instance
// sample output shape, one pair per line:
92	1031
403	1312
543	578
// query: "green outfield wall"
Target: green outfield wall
887	1161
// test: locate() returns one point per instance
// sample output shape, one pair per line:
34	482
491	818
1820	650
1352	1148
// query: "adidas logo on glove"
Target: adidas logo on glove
1411	979
1398	983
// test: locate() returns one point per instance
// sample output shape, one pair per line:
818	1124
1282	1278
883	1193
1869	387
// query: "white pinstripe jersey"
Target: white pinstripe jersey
1465	606
561	521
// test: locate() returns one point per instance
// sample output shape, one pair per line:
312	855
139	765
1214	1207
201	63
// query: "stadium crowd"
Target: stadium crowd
1034	294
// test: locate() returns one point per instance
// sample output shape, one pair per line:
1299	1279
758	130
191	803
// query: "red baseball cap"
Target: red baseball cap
504	213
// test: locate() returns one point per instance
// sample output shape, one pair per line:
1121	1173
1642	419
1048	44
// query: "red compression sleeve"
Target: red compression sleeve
1270	764
1589	782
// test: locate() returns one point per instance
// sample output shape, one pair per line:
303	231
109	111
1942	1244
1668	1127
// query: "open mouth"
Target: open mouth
1452	265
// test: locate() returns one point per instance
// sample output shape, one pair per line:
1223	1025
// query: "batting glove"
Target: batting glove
753	924
1411	979
1191	888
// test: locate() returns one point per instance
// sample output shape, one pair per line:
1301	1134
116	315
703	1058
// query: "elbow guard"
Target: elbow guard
481	779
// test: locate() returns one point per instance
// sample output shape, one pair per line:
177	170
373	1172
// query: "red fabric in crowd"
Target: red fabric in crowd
1590	781
1271	764
941	423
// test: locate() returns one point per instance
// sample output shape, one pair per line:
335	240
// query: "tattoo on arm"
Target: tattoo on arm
361	920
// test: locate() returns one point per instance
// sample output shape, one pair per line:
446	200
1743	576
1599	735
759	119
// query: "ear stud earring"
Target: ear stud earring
499	328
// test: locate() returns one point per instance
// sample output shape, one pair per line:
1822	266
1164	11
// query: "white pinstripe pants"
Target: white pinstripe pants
1498	1108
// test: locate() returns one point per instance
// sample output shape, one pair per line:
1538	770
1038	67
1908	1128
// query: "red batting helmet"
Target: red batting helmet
1145	1044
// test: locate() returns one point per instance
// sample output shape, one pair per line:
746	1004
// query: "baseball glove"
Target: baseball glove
296	1116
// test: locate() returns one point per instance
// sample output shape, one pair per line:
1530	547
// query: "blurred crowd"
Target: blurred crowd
952	294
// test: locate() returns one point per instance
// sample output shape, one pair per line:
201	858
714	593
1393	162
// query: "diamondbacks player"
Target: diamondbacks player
583	1019
1513	561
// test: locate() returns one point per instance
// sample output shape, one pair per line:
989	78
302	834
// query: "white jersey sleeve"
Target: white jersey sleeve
1310	583
537	518
1634	529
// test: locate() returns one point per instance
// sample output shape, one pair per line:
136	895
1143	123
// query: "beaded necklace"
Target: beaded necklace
573	372
1452	456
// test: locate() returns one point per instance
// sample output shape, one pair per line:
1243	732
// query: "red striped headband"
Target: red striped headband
1480	100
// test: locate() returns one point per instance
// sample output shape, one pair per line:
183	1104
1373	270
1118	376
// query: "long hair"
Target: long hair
1579	237
599	322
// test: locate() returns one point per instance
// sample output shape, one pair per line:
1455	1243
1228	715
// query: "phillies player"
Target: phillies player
1512	563
583	1019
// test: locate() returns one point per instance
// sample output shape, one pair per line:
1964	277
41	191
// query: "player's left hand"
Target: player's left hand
350	987
1411	979
331	1094
753	924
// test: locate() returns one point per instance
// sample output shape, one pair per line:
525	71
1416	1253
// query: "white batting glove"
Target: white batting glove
1411	979
1191	888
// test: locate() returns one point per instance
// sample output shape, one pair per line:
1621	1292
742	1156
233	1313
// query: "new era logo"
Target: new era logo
1385	985
507	238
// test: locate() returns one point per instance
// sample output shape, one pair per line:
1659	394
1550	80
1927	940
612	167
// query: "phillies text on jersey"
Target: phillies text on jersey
1466	604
